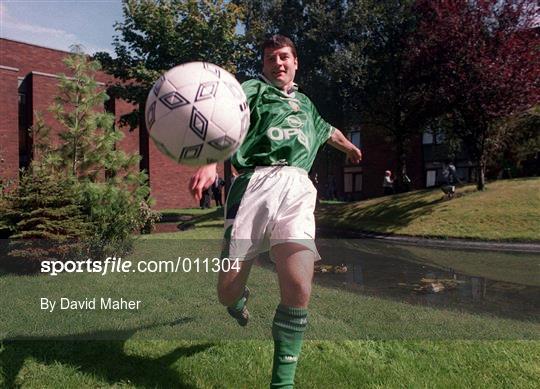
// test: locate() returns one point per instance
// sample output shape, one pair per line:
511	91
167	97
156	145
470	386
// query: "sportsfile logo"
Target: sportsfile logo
119	265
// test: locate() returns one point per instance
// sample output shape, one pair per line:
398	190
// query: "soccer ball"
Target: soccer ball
197	113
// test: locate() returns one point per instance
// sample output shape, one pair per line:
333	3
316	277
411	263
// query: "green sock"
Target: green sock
288	331
239	304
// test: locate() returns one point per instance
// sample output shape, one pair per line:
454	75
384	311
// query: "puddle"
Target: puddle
165	227
496	283
172	227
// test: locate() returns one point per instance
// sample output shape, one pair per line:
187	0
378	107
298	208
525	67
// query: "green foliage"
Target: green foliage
4	225
111	190
80	193
88	135
379	83
525	139
158	35
351	61
115	214
46	220
316	27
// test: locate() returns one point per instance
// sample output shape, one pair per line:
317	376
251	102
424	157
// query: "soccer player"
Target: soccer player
271	203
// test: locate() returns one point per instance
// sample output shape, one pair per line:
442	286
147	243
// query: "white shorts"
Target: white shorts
269	206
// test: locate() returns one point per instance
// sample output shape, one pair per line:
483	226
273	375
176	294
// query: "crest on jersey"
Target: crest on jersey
294	122
294	105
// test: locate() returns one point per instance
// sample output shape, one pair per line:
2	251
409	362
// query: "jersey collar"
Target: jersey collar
289	93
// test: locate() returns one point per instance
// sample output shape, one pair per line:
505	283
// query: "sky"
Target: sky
58	24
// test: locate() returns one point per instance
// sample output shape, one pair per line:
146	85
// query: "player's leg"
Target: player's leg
232	283
294	265
232	279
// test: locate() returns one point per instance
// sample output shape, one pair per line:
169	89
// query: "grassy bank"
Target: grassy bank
508	210
181	337
247	364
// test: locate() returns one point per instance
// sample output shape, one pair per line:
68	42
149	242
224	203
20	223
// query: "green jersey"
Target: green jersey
285	129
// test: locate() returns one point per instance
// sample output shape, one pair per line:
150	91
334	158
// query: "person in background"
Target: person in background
216	191
388	183
204	201
449	179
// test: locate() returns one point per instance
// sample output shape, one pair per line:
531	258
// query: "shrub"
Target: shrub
45	220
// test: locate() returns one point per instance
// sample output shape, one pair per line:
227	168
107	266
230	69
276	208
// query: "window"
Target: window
431	136
439	137
427	138
354	137
352	180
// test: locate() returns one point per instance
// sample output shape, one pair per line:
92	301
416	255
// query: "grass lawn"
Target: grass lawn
181	337
508	210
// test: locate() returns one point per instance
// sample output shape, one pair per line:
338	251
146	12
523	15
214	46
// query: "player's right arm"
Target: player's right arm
202	179
340	142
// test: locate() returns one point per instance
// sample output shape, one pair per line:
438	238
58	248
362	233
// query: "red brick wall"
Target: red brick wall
9	125
43	88
168	180
30	58
130	142
378	156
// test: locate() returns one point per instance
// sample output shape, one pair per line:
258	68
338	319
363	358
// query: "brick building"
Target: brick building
28	82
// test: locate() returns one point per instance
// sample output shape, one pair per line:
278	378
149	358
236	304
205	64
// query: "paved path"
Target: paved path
432	242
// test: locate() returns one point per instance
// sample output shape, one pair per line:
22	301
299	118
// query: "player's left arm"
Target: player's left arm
340	142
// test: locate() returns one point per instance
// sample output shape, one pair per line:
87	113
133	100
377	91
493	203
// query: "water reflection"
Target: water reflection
503	284
165	227
172	227
478	288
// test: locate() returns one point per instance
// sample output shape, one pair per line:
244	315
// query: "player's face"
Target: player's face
279	66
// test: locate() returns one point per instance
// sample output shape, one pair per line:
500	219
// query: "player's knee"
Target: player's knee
297	294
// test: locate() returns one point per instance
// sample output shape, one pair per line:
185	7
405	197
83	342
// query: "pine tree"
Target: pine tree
87	135
112	190
80	192
48	221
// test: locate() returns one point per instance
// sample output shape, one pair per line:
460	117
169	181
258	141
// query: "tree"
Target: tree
315	27
483	65
158	35
524	142
112	192
87	135
353	61
80	191
383	83
47	220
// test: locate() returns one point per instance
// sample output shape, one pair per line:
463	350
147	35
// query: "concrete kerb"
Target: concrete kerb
451	243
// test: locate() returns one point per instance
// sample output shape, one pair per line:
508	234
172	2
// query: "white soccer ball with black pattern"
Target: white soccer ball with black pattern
197	113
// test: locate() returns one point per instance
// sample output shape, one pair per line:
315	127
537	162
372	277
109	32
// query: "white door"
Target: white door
430	178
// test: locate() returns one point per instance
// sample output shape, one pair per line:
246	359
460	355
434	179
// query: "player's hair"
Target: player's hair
277	42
